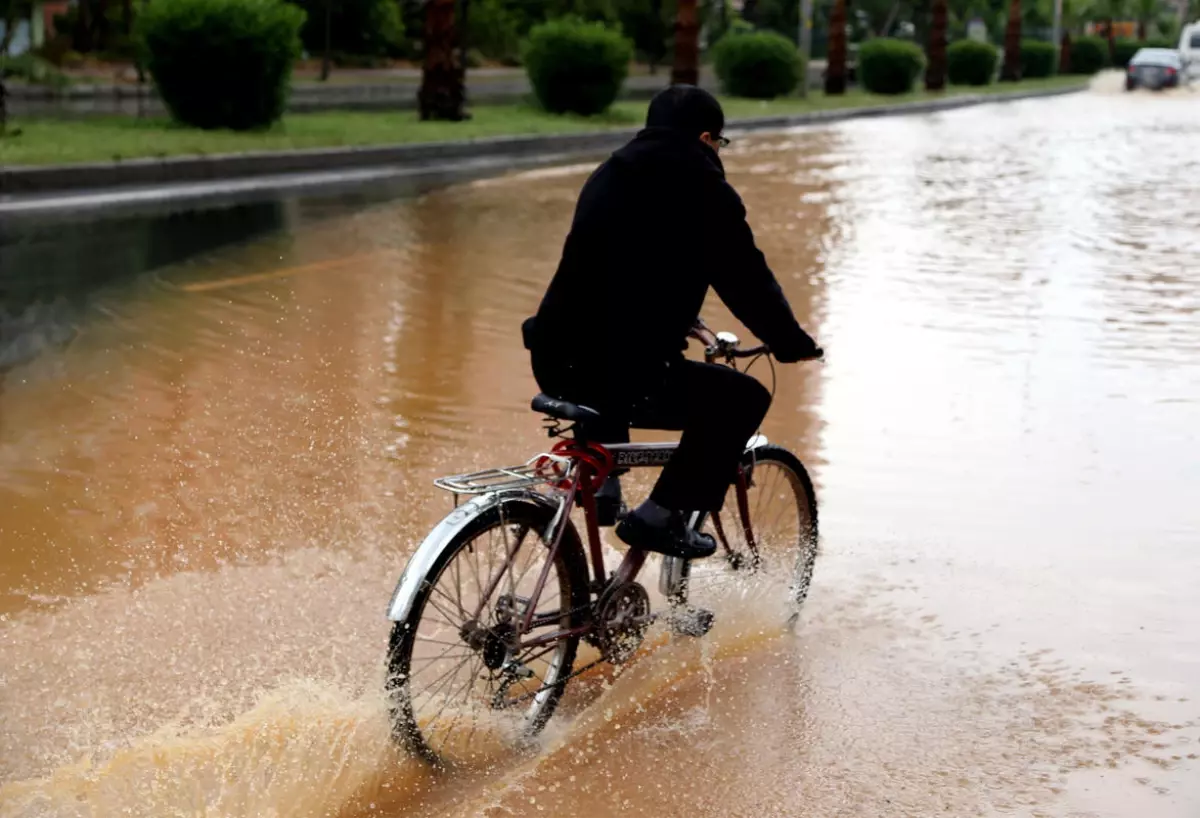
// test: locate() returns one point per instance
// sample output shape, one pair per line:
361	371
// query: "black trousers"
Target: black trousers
716	407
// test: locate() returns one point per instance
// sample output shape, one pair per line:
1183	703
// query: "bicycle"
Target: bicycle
481	595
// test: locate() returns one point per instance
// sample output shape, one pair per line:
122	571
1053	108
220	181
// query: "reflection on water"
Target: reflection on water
208	493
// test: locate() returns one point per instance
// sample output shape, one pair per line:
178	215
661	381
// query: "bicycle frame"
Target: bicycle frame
590	468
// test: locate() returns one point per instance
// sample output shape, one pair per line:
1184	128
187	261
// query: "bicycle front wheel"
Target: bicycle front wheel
463	679
766	529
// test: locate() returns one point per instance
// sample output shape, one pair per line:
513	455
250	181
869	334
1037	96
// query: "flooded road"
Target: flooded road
211	474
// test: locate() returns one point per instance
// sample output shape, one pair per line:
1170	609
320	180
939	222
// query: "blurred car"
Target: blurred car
1154	68
1189	48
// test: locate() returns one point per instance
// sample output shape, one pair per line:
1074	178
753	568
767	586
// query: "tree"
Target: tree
686	69
835	69
1011	72
1146	10
443	94
1071	15
1109	12
649	25
935	71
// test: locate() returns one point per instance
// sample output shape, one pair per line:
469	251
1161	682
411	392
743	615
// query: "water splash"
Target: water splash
305	749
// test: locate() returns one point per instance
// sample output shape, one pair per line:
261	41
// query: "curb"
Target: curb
17	183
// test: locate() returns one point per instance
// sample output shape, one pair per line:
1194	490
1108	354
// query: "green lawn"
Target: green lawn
47	141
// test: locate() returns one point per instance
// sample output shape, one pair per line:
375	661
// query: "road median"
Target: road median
19	183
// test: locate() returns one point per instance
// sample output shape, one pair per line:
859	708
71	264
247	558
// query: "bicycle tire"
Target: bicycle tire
572	576
732	566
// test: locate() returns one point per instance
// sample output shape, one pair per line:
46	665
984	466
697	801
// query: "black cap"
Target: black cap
687	109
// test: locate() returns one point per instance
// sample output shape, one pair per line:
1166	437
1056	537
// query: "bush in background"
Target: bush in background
222	63
969	62
1038	59
1089	55
888	66
576	67
758	65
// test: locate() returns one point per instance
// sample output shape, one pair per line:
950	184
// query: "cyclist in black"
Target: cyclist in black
655	226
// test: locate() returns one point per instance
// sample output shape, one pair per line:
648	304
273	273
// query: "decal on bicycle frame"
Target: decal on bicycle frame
641	456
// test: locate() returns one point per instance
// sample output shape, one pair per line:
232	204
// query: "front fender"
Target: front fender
427	553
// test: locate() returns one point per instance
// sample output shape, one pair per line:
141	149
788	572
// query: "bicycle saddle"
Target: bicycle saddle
563	410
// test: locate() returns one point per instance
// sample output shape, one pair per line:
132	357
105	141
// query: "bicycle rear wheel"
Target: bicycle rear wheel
461	681
768	533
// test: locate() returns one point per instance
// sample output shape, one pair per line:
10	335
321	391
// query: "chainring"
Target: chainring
622	617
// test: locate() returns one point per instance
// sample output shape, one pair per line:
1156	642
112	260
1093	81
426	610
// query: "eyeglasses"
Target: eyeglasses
722	142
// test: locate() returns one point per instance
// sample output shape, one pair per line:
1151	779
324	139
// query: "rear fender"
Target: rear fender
431	548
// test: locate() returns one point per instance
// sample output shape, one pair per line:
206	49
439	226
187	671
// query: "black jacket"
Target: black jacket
655	226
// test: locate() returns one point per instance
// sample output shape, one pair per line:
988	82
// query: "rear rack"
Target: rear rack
488	481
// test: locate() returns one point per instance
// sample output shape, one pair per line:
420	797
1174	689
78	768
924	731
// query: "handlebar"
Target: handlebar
727	347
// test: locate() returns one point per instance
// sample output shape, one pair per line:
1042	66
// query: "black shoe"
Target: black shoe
674	539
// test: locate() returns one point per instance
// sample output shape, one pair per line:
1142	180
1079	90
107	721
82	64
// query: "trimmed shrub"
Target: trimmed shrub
576	67
222	63
888	66
1089	55
969	62
758	65
1125	49
1038	59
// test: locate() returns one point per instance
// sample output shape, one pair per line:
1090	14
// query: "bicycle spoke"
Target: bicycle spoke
458	587
467	687
441	610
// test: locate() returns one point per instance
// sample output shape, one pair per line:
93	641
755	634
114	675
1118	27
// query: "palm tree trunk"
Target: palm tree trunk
686	68
83	28
3	106
1112	41
127	15
442	95
327	57
1141	33
100	25
935	73
1011	72
1064	54
835	69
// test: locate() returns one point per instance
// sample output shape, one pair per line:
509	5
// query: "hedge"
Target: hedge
222	63
888	66
1089	55
576	67
969	62
1038	59
758	65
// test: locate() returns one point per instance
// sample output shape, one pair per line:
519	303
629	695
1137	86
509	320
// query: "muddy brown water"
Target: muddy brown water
211	474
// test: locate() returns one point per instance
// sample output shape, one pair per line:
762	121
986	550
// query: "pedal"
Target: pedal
694	622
